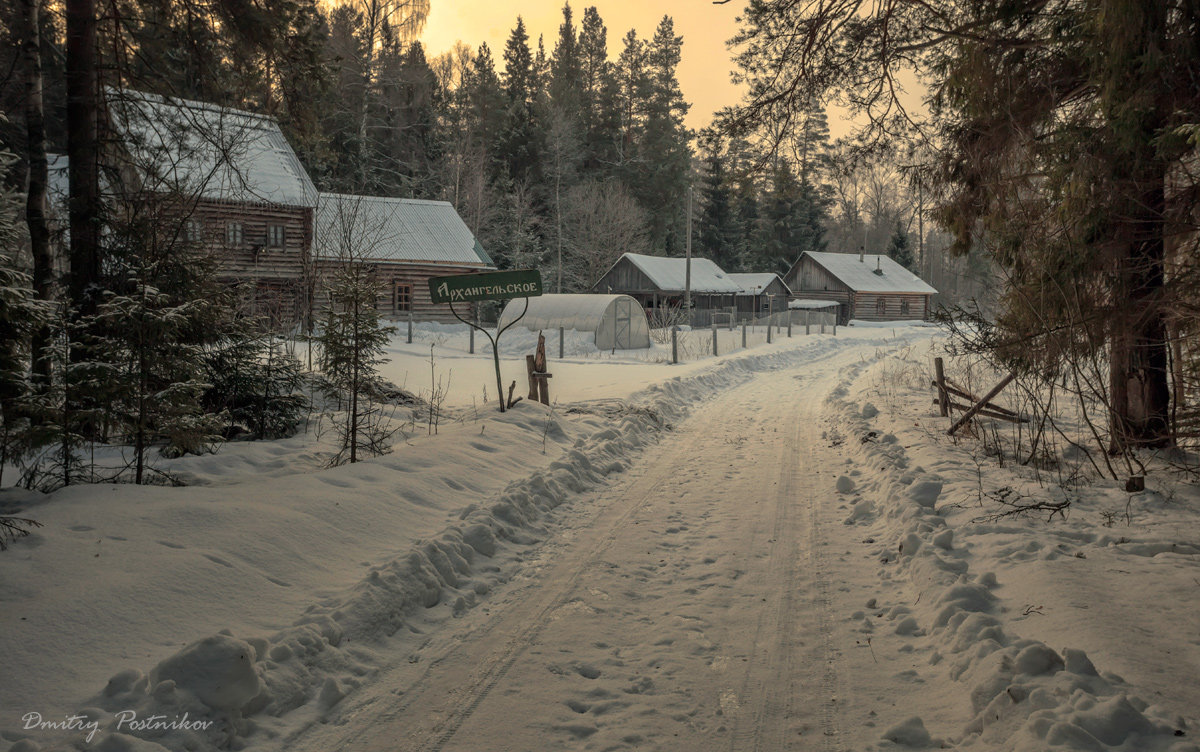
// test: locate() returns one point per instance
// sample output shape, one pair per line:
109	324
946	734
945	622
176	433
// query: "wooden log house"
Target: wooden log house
228	180
404	242
657	282
232	184
868	287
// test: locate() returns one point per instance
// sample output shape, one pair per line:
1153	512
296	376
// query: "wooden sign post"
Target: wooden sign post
469	288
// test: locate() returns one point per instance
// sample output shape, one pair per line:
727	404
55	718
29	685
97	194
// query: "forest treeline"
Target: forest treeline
570	150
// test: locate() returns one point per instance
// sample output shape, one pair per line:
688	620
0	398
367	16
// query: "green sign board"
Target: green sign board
464	288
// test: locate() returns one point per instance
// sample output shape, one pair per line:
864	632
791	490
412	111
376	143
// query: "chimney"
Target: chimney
861	250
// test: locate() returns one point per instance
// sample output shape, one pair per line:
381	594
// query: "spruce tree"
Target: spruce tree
900	250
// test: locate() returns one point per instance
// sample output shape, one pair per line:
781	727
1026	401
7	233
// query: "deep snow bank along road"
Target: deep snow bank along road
685	607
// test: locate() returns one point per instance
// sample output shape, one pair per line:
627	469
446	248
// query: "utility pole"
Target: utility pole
687	274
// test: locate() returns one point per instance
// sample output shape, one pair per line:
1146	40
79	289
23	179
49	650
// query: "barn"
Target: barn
762	293
404	241
657	283
868	287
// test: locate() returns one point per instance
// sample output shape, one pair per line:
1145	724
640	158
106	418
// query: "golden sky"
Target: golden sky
705	27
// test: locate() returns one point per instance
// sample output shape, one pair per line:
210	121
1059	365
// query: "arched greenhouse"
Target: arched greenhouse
618	321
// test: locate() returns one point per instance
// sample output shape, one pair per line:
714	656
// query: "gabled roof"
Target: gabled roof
668	274
212	152
861	277
755	283
395	229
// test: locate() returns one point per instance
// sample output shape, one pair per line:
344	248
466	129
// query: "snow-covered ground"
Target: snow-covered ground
288	606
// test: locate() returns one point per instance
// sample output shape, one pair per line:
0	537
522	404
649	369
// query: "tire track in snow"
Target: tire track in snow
771	686
439	711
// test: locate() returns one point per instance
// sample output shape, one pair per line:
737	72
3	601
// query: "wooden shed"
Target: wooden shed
869	287
657	282
404	241
762	293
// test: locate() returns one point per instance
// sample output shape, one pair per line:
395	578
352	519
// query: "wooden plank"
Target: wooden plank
970	413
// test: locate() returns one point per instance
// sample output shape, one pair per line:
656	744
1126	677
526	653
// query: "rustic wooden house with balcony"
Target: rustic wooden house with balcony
403	241
868	287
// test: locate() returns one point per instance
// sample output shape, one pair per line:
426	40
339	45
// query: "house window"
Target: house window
403	297
881	306
276	236
193	230
904	307
233	233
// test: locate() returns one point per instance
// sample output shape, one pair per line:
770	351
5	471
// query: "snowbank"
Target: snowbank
187	598
944	600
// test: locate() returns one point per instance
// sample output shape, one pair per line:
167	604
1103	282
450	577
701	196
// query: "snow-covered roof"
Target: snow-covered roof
862	276
669	273
208	151
395	229
755	283
802	304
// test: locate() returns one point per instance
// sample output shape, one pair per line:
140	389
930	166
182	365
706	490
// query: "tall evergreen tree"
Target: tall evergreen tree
718	231
520	79
900	250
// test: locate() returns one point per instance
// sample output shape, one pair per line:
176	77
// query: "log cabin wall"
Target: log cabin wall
879	306
403	286
810	281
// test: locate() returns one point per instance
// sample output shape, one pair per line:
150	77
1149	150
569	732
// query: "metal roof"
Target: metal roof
668	273
754	283
395	229
861	276
208	151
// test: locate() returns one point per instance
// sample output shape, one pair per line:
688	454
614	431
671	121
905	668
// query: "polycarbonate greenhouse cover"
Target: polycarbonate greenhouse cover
618	320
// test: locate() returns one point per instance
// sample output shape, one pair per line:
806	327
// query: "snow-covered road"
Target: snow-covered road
739	554
685	607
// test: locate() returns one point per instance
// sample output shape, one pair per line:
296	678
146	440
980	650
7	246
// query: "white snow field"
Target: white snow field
777	548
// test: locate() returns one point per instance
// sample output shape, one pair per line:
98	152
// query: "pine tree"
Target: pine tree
718	231
900	251
600	93
353	337
566	71
146	341
518	144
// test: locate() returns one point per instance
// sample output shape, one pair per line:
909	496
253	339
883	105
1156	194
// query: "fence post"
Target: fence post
940	374
674	345
561	337
789	323
714	326
474	318
807	323
835	325
410	319
743	336
770	324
